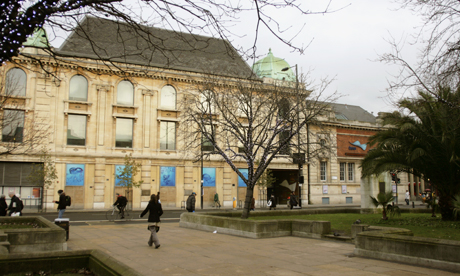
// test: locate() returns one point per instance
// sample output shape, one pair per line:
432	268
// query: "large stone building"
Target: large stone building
112	96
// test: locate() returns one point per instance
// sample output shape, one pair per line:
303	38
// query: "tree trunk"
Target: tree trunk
247	202
384	214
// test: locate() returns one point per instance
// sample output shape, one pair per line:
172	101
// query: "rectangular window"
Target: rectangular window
76	130
322	170
13	125
351	170
168	135
342	171
124	133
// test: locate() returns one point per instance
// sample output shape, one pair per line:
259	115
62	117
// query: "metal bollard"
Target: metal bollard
413	204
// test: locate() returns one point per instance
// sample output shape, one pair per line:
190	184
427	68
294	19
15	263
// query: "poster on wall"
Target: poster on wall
393	188
240	180
118	170
209	177
168	176
344	189
325	189
75	175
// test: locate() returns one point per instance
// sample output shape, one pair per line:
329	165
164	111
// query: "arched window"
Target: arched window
16	81
168	97
207	102
78	88
125	93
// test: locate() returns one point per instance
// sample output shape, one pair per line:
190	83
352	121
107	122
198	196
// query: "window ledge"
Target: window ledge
167	109
79	102
125	106
169	119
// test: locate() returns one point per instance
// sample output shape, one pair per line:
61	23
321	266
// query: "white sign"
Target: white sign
344	189
334	178
394	188
325	189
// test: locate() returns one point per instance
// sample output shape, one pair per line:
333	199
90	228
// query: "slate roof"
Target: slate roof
352	113
98	38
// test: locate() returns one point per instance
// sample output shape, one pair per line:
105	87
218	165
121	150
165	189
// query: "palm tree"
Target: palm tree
424	142
384	199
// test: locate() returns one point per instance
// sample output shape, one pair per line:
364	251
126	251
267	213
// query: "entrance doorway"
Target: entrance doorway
286	182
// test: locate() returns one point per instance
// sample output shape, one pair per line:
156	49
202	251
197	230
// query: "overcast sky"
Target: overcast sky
346	45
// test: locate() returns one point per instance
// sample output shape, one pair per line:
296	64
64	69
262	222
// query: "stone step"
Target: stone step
339	238
4	248
3	237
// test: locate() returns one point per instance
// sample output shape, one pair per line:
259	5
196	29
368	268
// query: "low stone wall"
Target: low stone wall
56	262
228	223
396	244
49	237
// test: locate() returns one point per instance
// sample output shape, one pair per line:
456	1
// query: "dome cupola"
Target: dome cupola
271	67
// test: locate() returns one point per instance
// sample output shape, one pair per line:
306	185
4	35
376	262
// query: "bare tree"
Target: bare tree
439	57
19	20
248	124
22	130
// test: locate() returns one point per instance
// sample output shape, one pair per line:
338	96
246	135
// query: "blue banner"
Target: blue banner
240	180
75	175
168	176
209	177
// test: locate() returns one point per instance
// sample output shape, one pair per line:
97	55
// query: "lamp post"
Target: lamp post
299	160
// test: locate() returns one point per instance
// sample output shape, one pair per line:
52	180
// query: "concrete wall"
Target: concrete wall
395	244
49	237
230	223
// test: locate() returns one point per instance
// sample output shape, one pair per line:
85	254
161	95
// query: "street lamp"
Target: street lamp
298	158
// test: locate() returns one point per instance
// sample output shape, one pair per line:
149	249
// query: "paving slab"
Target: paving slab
192	252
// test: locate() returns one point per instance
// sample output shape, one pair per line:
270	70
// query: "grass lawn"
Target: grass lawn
422	225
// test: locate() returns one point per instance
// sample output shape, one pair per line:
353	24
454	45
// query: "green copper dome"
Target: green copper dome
37	39
271	66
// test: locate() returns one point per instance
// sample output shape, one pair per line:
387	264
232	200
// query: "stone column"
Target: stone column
99	184
147	114
102	91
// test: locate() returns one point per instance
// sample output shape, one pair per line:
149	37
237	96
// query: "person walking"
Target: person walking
407	197
121	203
21	204
3	206
15	205
155	212
273	202
216	200
292	200
61	203
191	202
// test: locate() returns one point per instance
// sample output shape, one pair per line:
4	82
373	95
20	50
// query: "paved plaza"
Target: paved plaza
192	252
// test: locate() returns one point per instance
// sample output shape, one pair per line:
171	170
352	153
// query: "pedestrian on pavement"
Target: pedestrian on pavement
61	203
253	204
273	202
21	204
3	206
292	200
407	197
121	203
155	212
191	202
14	204
216	200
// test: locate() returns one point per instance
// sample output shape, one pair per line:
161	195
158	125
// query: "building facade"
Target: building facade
91	115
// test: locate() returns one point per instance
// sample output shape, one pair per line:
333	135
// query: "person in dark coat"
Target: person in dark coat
155	212
3	206
292	200
121	203
15	204
191	202
61	203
